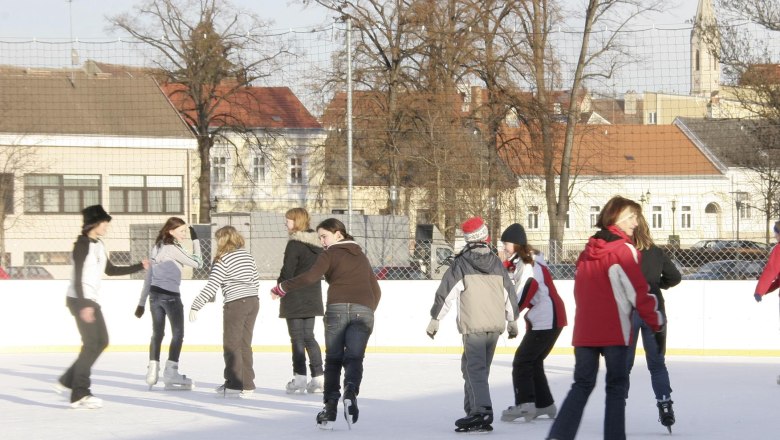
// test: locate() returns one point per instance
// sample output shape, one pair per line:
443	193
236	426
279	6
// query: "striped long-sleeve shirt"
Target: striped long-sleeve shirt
236	274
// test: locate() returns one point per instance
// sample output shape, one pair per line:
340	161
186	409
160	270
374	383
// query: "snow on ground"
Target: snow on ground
403	396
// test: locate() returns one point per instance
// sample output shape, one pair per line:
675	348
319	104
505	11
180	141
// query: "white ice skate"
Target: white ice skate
297	385
152	373
315	385
549	411
87	402
524	410
173	380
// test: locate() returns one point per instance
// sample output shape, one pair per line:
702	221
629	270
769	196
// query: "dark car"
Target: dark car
728	270
29	273
399	273
562	271
705	251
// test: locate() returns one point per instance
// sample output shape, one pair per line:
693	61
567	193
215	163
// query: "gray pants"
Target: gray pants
478	350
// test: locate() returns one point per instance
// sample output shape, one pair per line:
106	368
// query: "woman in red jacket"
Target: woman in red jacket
608	286
770	277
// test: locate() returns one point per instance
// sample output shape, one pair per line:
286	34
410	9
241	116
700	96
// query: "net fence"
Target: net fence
86	122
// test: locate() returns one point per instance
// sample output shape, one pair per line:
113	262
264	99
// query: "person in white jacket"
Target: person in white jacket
162	288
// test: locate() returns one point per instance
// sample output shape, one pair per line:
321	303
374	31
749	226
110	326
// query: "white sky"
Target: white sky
403	396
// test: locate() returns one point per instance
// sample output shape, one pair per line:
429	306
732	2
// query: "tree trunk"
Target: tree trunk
204	180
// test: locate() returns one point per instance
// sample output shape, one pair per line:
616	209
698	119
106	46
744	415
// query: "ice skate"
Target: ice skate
315	385
297	384
173	380
152	373
87	402
59	388
478	422
223	391
666	414
350	406
524	410
327	417
549	411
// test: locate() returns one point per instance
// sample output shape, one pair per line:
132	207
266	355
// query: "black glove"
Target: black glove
193	235
757	296
660	340
139	311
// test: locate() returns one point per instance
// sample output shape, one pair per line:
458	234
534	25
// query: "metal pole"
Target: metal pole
349	123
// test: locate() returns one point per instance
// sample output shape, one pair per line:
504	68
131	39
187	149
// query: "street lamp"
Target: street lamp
674	208
645	197
739	198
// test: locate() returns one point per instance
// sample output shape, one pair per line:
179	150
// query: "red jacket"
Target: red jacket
770	277
608	285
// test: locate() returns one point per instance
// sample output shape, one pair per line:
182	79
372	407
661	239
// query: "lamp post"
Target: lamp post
645	198
392	193
739	198
674	208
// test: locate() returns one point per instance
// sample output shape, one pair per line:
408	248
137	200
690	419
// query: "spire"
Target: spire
705	69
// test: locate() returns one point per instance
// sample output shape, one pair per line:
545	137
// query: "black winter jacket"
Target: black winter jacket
660	273
301	252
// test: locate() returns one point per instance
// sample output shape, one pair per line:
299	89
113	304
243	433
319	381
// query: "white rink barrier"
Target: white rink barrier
705	317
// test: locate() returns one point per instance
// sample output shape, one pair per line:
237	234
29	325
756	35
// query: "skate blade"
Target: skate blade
475	430
669	428
178	387
347	416
326	426
296	391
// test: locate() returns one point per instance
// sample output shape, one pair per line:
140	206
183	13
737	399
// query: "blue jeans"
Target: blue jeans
347	329
302	338
160	306
656	363
586	369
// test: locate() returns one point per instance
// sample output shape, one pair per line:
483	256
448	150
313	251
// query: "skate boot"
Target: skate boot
549	411
87	402
666	414
479	422
327	417
350	405
152	373
524	410
297	385
173	380
315	385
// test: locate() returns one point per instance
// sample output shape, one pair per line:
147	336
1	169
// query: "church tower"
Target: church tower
705	69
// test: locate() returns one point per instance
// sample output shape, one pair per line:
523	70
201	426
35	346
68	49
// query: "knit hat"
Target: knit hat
474	229
95	214
514	234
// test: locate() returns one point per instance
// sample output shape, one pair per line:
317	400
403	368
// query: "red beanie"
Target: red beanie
474	229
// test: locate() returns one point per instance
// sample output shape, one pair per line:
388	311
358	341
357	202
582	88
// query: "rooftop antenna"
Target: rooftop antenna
74	55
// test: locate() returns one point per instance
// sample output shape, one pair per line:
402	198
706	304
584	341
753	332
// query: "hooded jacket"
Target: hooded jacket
348	273
770	277
481	286
301	252
608	285
537	293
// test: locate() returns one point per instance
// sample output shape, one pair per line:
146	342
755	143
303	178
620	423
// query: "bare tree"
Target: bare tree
210	51
16	160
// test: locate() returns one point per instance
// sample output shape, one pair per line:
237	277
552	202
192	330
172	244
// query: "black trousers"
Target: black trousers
528	378
94	339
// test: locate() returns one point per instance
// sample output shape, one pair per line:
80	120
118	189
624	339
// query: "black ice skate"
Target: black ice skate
475	423
350	406
666	414
327	417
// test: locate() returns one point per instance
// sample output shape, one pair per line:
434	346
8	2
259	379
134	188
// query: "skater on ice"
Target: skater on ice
545	320
90	262
233	271
301	309
480	286
353	296
162	288
770	277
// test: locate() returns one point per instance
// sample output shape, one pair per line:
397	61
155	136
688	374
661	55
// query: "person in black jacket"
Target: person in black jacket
300	309
660	273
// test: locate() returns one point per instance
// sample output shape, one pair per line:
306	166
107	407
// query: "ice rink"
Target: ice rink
403	396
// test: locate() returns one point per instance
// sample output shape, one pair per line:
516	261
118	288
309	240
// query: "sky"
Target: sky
403	396
50	19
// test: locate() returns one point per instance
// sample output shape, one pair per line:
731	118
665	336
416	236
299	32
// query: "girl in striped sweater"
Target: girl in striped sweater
235	272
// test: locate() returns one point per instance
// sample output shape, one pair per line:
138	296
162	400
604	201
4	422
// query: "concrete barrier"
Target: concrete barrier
705	317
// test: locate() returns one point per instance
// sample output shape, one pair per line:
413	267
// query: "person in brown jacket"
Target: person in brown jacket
353	295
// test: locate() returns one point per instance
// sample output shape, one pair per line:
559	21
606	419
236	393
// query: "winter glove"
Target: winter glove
139	311
277	290
433	327
660	340
193	315
511	329
757	296
193	235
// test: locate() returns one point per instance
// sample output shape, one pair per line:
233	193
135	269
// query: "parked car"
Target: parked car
399	273
29	273
562	271
705	251
728	270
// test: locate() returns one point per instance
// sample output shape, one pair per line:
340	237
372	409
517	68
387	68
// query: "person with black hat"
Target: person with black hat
476	281
545	320
90	261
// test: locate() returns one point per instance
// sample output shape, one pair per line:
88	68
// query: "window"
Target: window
258	169
568	225
219	169
7	192
745	211
60	194
344	211
685	217
533	217
47	258
698	60
657	217
652	118
594	215
146	194
296	170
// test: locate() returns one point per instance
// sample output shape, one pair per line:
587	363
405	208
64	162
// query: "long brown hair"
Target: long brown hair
300	218
164	237
642	238
609	214
334	225
228	240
